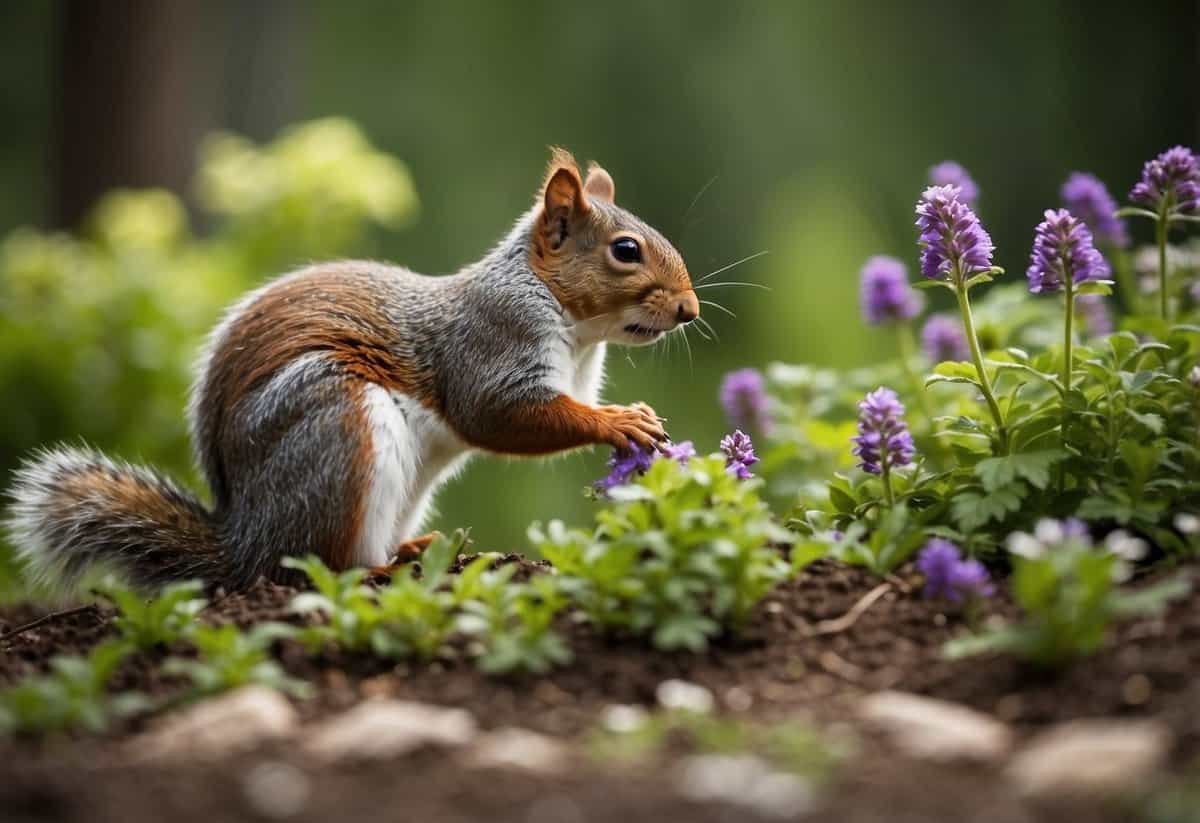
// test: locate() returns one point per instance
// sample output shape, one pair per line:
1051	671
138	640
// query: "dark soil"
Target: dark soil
787	664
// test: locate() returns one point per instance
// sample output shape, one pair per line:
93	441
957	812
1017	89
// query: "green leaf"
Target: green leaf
998	472
1102	287
972	510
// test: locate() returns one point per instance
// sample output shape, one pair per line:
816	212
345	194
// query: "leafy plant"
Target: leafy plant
1067	588
513	623
228	657
159	621
680	554
74	694
417	616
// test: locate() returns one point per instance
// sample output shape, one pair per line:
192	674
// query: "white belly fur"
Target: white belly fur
415	452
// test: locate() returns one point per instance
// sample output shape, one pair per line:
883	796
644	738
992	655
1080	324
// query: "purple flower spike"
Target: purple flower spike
1086	197
739	454
883	440
949	576
1093	311
943	339
952	240
626	466
744	399
886	295
1170	181
950	173
1062	247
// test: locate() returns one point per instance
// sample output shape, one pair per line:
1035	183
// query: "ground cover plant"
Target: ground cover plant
1010	500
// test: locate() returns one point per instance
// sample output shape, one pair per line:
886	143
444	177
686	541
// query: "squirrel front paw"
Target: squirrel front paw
624	426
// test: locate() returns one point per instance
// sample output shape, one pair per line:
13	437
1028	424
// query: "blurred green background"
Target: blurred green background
804	129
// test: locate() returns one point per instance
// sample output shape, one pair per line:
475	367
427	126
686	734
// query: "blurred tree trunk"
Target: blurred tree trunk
130	104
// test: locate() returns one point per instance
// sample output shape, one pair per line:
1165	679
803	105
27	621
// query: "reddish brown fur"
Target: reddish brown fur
565	423
279	327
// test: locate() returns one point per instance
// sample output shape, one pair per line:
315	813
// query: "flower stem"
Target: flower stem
885	477
1161	234
985	384
1069	287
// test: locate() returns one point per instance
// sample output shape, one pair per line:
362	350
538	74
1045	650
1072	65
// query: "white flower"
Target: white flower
679	694
623	719
1126	546
1194	377
1187	522
1025	545
1048	532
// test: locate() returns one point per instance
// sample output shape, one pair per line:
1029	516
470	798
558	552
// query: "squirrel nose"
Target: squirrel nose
688	308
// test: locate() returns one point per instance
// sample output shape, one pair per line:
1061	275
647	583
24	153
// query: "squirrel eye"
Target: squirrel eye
626	250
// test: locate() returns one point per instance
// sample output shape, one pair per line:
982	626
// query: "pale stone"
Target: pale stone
235	721
514	748
930	729
277	789
681	694
746	781
379	729
1086	757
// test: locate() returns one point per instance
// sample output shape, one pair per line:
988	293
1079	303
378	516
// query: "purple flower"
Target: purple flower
949	576
950	173
680	452
626	465
739	454
1084	195
1062	246
952	240
1170	181
883	440
1093	311
943	339
886	296
744	399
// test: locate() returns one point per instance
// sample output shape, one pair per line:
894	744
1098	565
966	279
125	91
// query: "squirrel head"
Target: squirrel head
618	278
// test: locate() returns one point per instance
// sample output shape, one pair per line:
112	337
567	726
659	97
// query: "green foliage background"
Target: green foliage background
817	121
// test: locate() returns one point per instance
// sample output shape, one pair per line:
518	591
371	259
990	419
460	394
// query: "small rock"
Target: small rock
935	729
680	694
378	729
277	789
237	720
513	748
1086	757
624	719
746	781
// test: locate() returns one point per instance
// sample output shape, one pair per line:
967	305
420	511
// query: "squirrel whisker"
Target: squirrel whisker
719	307
731	283
745	259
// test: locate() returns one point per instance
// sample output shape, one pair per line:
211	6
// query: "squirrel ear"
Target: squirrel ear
599	184
564	200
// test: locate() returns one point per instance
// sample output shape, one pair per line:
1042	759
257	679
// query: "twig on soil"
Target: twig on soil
840	667
45	618
840	624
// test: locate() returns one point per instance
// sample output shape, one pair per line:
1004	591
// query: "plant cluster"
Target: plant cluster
682	552
1067	588
73	694
510	624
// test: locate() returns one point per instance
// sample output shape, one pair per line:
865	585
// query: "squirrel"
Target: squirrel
330	404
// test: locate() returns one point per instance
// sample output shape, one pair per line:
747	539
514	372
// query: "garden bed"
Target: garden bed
797	659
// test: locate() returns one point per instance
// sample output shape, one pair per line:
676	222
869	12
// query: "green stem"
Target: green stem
1067	337
885	476
1161	233
985	384
1069	286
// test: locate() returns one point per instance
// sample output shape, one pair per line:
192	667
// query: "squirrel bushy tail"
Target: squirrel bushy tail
74	508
